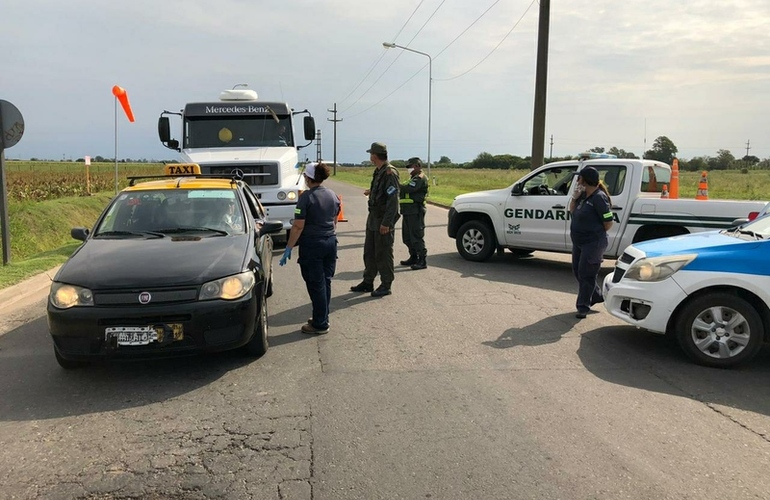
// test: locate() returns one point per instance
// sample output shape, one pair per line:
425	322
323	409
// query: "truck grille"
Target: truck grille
254	174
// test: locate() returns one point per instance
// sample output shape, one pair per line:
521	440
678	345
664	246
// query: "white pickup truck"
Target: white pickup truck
532	214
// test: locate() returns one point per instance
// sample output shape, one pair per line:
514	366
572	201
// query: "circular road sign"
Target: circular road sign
12	124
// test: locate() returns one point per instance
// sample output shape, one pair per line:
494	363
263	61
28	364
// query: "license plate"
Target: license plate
144	335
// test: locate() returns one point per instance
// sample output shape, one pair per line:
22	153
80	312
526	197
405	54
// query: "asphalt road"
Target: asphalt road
473	380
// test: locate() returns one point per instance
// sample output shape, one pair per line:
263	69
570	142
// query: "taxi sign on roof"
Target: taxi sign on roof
183	169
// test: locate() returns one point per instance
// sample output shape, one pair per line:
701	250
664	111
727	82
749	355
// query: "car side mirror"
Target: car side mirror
80	233
270	226
516	191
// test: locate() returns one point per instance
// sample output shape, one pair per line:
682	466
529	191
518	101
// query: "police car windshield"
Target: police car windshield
173	210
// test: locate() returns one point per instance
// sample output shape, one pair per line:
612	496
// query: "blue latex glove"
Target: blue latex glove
286	256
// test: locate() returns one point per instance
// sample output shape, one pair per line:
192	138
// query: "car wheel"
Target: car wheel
475	241
68	364
719	330
257	346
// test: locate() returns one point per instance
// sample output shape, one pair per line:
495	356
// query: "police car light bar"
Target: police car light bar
591	155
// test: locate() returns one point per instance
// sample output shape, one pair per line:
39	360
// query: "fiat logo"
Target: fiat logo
145	298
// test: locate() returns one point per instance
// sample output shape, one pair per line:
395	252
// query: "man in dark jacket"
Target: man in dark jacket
380	224
412	202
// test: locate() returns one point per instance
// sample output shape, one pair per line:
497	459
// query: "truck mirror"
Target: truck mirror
164	130
309	123
173	144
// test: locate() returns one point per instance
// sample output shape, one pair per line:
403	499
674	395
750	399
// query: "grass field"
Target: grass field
40	230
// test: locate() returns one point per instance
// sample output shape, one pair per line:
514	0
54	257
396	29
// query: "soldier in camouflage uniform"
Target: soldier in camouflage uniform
412	202
380	224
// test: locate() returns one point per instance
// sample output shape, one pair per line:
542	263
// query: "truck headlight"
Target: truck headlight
230	288
64	296
292	195
281	196
658	268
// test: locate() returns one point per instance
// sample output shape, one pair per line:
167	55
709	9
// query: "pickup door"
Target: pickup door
536	214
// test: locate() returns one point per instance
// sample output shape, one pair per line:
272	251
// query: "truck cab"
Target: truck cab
247	136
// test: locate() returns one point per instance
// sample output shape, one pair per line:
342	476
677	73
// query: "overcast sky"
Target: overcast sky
621	73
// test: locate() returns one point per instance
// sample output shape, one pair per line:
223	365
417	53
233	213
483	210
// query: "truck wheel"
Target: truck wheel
719	330
475	241
258	344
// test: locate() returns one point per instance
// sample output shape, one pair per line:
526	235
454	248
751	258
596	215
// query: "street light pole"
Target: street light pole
388	45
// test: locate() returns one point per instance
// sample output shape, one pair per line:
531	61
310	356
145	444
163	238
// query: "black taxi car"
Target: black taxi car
176	264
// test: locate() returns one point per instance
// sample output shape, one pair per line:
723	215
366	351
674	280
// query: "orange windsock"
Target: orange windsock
674	191
122	96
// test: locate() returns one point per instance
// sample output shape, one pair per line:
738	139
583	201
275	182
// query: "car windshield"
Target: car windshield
156	212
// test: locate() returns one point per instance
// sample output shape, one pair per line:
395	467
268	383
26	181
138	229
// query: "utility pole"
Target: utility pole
550	152
748	147
541	79
334	120
318	145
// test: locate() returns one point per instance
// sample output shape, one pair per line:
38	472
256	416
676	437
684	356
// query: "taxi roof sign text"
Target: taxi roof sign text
183	169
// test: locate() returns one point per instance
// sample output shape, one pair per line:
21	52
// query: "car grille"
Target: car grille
131	298
618	275
626	258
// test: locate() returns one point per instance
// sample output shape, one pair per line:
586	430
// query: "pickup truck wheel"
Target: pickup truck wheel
719	330
475	241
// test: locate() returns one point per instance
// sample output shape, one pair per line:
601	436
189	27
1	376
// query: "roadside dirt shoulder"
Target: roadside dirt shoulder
17	301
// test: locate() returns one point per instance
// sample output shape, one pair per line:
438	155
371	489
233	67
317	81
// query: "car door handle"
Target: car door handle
558	207
616	207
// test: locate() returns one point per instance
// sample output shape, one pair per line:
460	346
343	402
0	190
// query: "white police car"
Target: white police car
711	291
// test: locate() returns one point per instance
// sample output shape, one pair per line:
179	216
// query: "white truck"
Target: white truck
533	214
240	133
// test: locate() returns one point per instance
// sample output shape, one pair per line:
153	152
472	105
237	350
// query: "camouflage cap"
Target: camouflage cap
378	148
414	161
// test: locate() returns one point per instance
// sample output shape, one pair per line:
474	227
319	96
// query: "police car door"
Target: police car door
536	212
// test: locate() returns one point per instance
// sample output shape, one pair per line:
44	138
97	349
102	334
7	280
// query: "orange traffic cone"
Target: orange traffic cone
664	193
341	216
674	179
703	187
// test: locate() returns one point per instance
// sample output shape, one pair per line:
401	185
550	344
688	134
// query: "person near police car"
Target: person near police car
412	203
380	224
591	218
314	230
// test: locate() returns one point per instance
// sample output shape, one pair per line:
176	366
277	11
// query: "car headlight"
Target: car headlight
657	268
64	296
230	288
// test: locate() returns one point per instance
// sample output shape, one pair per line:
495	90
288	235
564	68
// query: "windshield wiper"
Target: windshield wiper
752	234
192	229
129	233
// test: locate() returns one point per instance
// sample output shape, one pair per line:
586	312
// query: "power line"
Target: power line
371	68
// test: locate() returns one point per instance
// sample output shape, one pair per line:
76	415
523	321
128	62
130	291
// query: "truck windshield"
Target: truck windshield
238	132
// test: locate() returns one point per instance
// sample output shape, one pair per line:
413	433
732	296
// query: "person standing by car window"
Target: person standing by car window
592	217
412	203
314	230
380	224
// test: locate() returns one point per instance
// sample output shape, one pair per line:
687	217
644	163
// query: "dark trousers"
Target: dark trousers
413	232
378	257
318	262
586	263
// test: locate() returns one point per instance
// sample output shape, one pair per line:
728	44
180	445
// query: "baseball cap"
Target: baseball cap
414	161
310	170
378	148
590	175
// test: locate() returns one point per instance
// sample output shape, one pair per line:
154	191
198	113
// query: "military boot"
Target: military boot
421	263
411	260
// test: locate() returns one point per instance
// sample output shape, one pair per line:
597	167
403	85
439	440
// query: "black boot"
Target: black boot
420	264
411	260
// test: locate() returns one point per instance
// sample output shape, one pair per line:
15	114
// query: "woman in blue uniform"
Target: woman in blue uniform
590	221
314	230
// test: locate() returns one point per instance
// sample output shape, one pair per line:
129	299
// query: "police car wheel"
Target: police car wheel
475	241
258	345
719	330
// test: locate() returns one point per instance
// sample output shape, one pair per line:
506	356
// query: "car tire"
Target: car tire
258	344
475	241
731	339
68	364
